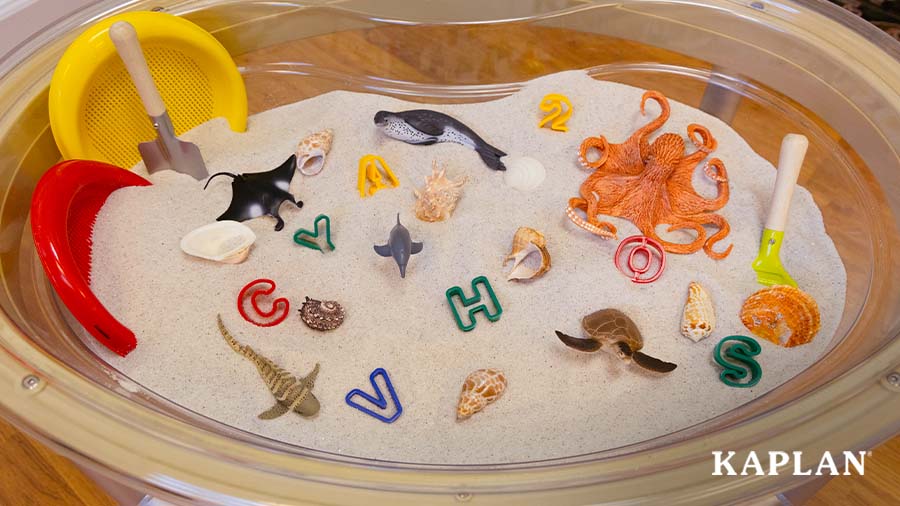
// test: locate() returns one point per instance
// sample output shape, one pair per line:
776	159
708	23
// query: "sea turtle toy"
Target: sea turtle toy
621	336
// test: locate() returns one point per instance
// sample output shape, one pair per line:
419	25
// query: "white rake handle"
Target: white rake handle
125	39
793	149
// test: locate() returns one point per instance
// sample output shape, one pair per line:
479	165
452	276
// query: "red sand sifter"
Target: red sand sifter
63	211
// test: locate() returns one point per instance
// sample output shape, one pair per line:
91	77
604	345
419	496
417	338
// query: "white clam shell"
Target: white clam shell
223	241
523	173
311	152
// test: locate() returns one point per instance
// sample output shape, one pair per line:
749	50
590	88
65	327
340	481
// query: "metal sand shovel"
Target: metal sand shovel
767	265
166	152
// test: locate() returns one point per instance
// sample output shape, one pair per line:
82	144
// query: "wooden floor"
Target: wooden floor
32	475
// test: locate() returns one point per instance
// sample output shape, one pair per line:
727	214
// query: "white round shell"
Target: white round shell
222	241
523	173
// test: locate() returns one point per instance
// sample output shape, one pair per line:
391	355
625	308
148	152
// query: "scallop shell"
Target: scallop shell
311	152
523	173
525	242
222	241
438	198
774	311
322	315
699	317
481	388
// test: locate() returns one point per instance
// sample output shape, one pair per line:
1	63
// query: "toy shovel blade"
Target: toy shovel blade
166	152
169	153
767	265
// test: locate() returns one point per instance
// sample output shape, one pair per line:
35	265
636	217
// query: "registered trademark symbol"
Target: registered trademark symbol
869	453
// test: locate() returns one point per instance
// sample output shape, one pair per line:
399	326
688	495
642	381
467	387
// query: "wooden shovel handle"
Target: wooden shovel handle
793	149
125	39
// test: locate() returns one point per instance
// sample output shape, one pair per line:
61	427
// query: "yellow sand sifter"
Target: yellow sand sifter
95	111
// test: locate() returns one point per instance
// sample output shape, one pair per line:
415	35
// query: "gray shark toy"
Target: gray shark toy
399	246
425	127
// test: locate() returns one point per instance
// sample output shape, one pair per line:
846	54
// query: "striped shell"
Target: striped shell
319	315
481	388
699	317
773	312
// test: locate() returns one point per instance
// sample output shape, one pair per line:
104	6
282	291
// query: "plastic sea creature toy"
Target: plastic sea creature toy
650	184
291	393
481	388
424	127
649	249
322	315
223	241
370	168
261	318
438	198
699	317
738	361
312	239
312	150
524	173
525	242
380	401
560	109
619	334
260	193
470	303
771	312
399	246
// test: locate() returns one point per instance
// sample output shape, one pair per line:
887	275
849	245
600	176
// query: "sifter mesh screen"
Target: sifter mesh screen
114	117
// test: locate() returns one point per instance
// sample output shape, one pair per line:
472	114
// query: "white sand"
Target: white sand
559	402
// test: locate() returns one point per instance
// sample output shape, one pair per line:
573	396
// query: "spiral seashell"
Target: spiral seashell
438	198
699	317
774	311
319	315
525	242
481	388
311	152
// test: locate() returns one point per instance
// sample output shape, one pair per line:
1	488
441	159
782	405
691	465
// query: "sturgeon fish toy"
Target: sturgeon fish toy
291	393
425	127
400	246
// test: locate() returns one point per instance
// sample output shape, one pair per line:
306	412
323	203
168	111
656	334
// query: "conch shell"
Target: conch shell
525	242
312	150
438	198
221	241
771	312
699	317
481	388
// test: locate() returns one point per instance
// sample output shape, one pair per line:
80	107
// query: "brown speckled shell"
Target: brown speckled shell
322	315
771	312
481	388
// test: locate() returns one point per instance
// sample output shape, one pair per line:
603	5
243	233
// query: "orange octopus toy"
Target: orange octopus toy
650	183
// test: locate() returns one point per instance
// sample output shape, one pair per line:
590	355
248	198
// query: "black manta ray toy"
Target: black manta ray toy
260	193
